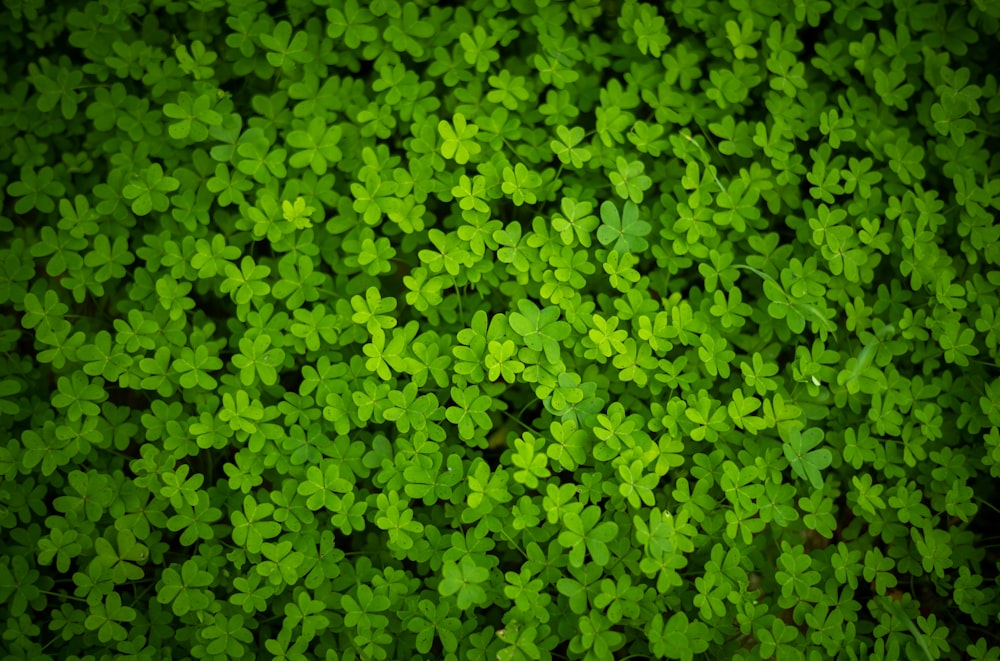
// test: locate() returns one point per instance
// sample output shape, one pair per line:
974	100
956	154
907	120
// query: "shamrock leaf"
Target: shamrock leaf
249	527
104	618
193	115
804	460
245	282
182	590
194	365
502	362
258	360
322	485
36	190
284	50
630	181
458	139
624	231
566	146
316	146
464	579
58	91
532	462
582	533
520	183
470	411
352	22
541	329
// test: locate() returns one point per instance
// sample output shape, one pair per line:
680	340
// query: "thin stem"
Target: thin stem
708	161
524	408
63	596
461	312
511	540
988	504
517	421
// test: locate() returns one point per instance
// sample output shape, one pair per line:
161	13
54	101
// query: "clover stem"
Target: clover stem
708	162
523	409
517	421
511	540
62	596
461	312
984	502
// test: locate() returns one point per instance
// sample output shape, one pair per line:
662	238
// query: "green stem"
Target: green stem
511	540
517	421
987	503
461	312
63	596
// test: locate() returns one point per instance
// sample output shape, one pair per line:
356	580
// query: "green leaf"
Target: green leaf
244	283
352	23
322	486
316	145
566	149
249	527
806	461
678	637
532	463
464	579
104	619
541	329
193	115
79	396
148	190
58	90
258	360
182	590
284	50
520	183
583	534
470	412
458	139
36	190
624	231
629	181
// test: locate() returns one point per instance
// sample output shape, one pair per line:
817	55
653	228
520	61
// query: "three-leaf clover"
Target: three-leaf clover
257	359
182	590
322	485
630	181
541	329
519	182
193	115
806	461
79	395
533	463
458	139
249	527
501	361
582	533
361	612
469	412
36	190
624	231
464	579
104	618
194	365
148	191
284	50
316	146
60	90
245	282
565	147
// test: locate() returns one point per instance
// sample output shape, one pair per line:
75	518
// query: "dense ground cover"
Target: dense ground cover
499	329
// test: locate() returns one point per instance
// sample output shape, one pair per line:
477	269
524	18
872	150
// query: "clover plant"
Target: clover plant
513	329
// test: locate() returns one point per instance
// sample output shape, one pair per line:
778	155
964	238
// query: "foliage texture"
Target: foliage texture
514	329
